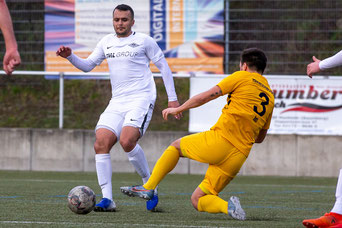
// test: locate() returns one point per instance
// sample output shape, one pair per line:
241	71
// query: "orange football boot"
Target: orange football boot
327	221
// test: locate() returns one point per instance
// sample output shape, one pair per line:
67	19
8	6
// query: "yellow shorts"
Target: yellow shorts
223	158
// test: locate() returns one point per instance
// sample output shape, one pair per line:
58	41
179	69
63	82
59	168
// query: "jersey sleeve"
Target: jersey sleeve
153	51
97	56
229	83
167	78
85	65
331	62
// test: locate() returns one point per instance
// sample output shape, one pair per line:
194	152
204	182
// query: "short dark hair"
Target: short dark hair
255	59
124	7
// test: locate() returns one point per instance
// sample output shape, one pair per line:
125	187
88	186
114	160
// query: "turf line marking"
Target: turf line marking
47	180
287	185
301	191
257	185
280	207
9	197
102	224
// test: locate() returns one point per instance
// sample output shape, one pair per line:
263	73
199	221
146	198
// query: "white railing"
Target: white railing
90	76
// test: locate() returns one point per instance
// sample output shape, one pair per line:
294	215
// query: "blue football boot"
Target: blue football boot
105	205
152	203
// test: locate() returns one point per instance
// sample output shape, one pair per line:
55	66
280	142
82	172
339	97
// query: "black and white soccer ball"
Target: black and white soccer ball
81	200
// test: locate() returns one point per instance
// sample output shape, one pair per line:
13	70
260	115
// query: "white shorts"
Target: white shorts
136	113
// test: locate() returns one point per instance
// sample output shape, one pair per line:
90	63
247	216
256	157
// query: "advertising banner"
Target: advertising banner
307	106
302	105
190	32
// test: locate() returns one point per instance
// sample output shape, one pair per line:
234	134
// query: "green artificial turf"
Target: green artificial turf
39	199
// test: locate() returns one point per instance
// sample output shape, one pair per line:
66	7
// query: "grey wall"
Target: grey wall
72	150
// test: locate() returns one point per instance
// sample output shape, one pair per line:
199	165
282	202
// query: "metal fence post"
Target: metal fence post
61	99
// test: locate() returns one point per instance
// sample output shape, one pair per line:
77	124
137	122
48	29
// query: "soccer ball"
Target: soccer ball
81	200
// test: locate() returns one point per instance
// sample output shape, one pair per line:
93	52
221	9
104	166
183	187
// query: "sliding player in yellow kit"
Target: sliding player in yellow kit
244	121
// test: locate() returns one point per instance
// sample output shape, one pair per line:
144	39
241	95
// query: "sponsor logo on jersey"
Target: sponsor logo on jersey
122	54
262	85
133	45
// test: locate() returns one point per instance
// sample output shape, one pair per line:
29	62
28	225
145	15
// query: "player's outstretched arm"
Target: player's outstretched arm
194	101
84	65
317	65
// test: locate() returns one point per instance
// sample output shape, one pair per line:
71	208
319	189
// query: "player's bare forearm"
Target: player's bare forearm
191	103
201	99
194	101
12	57
6	26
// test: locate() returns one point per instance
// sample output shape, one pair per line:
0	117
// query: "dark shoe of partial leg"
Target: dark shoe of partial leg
105	205
139	191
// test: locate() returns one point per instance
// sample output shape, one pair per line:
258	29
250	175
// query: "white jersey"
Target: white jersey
128	61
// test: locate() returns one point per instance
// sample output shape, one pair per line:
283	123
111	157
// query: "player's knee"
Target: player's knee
127	145
176	144
194	201
100	146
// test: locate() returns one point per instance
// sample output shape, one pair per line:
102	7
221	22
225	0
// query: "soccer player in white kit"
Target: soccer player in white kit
129	111
333	219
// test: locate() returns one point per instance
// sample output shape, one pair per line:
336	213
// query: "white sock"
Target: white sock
104	174
338	203
138	160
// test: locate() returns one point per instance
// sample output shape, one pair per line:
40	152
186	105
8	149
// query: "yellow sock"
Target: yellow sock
164	165
212	204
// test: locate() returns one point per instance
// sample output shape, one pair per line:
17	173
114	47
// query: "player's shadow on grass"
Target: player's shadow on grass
157	210
254	218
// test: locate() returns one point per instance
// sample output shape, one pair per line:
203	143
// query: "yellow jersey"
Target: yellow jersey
249	109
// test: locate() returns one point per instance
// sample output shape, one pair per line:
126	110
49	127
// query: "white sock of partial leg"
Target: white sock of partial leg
338	203
104	174
138	160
